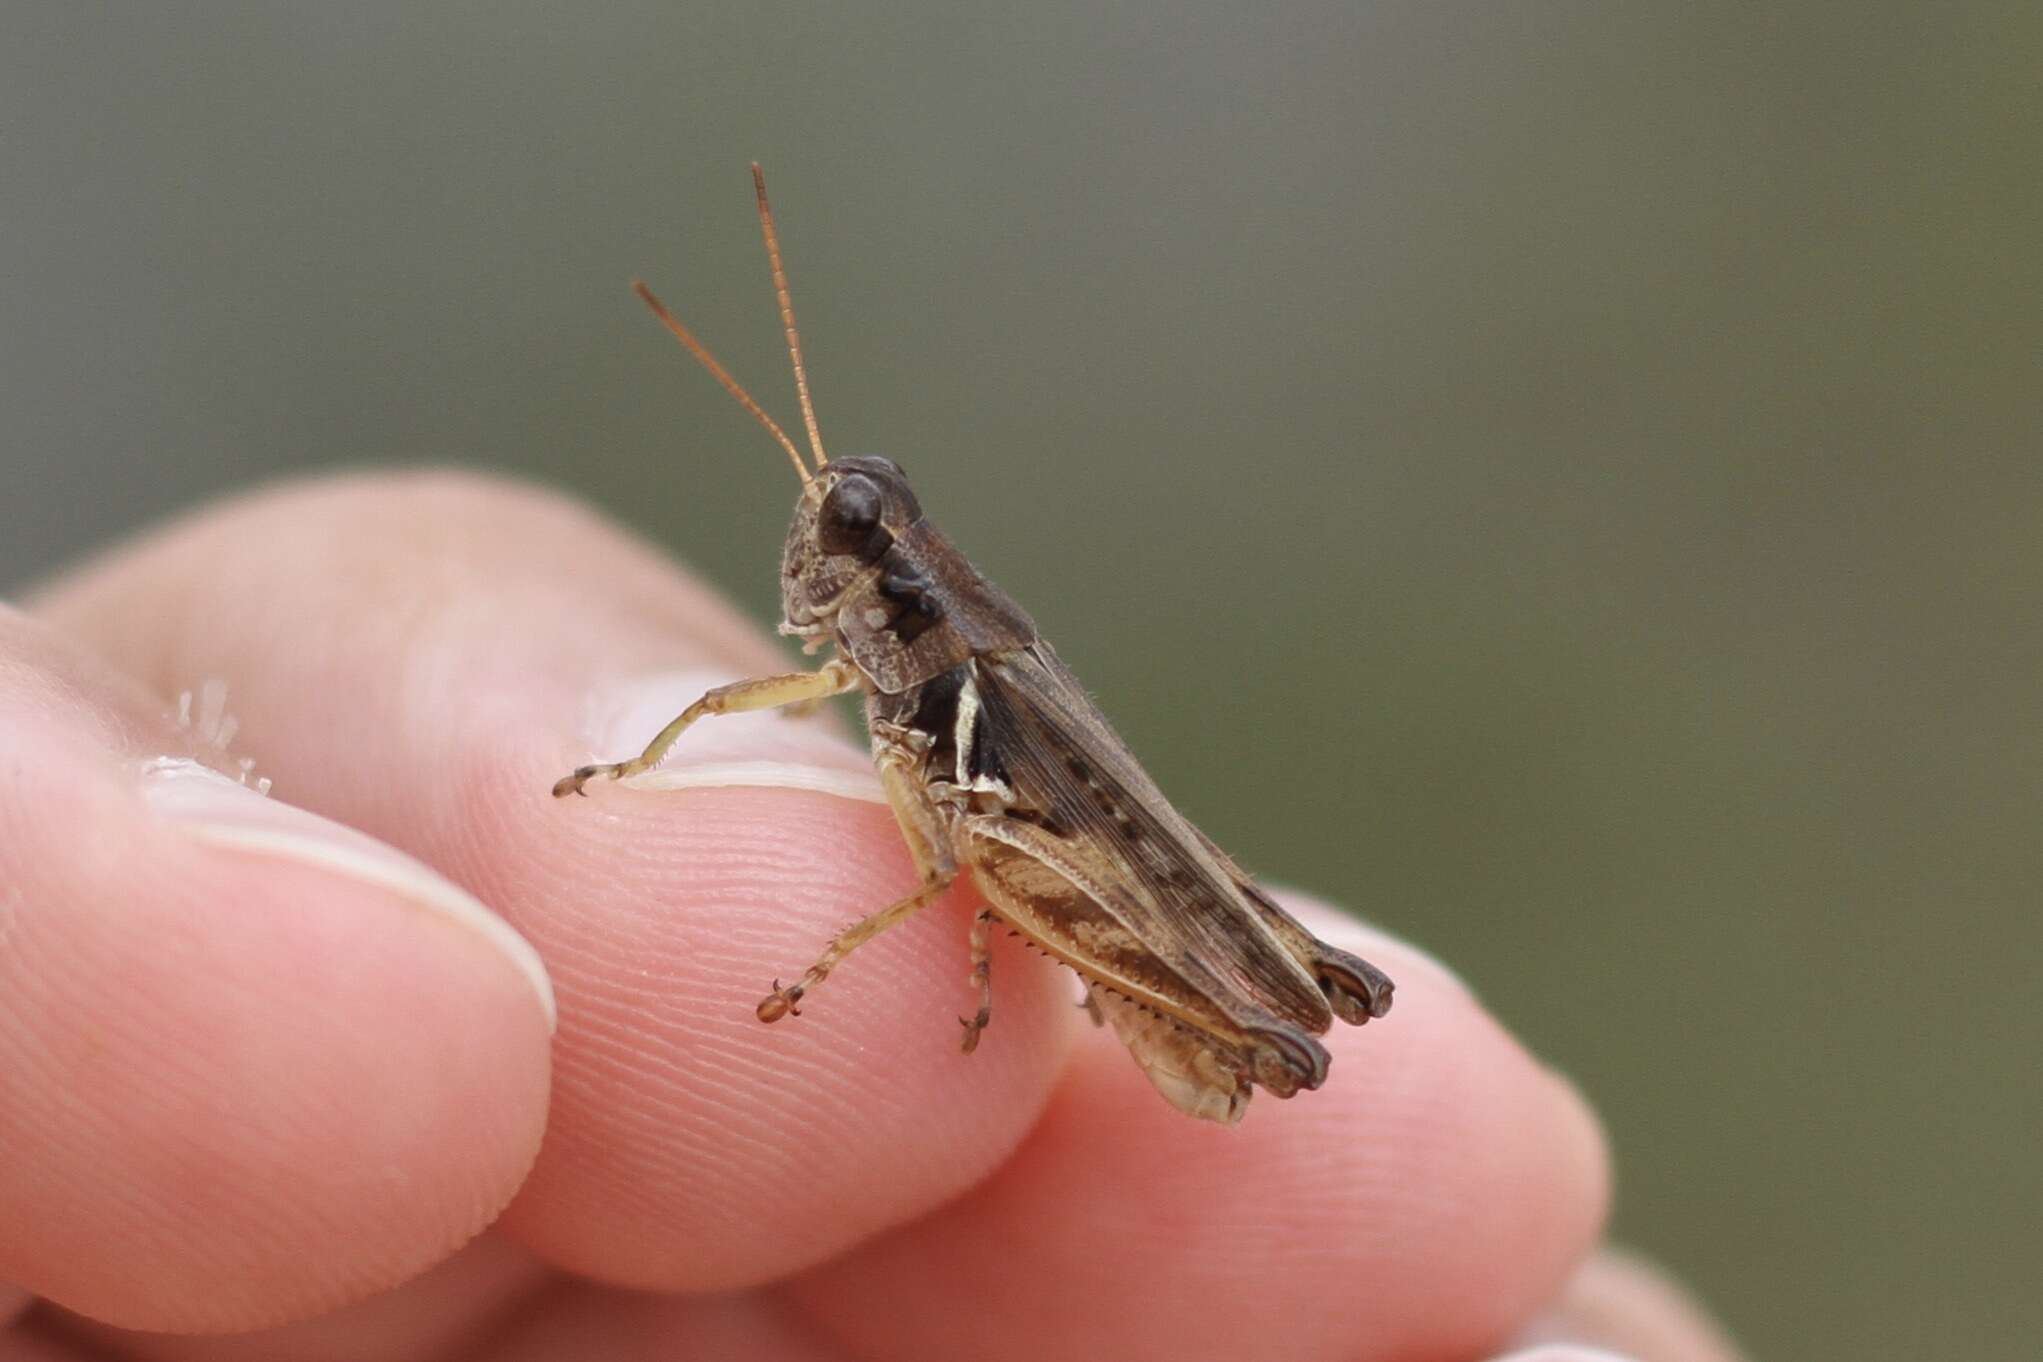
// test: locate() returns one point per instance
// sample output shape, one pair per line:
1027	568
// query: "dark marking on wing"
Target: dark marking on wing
1034	710
1356	990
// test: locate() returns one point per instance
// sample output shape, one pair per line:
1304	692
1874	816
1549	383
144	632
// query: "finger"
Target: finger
252	1064
1622	1303
29	1344
423	657
585	1323
456	1305
1421	1204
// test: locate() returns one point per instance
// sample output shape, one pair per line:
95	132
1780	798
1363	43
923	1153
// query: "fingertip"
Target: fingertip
1585	1176
1620	1301
1572	1147
245	1085
1426	1200
221	812
251	1064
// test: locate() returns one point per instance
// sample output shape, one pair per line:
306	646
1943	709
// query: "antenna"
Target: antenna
723	376
787	313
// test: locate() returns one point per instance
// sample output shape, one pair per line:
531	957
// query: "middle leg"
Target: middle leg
922	829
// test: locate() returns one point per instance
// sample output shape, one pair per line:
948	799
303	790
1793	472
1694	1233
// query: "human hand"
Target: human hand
255	1066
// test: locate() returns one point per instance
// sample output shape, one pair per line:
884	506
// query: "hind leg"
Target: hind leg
782	1001
982	977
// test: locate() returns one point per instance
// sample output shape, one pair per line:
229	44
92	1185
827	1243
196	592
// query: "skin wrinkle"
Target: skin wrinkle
54	975
31	1342
742	1054
699	1105
582	1320
729	844
435	1317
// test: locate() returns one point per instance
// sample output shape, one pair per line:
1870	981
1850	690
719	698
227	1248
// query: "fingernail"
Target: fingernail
765	747
221	811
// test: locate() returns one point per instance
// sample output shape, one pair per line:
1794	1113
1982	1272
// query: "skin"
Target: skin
252	1096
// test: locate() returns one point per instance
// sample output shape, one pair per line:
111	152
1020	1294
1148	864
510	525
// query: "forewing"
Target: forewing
1064	761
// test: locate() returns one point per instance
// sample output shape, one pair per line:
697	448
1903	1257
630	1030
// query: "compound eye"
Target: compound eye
850	514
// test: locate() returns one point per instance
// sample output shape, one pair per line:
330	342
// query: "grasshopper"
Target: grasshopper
994	761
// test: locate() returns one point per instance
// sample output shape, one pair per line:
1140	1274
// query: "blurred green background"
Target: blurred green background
1561	479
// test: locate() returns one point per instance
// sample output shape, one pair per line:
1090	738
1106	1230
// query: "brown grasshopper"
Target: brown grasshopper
993	759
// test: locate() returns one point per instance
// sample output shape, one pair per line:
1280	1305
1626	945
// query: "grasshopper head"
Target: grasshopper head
847	519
